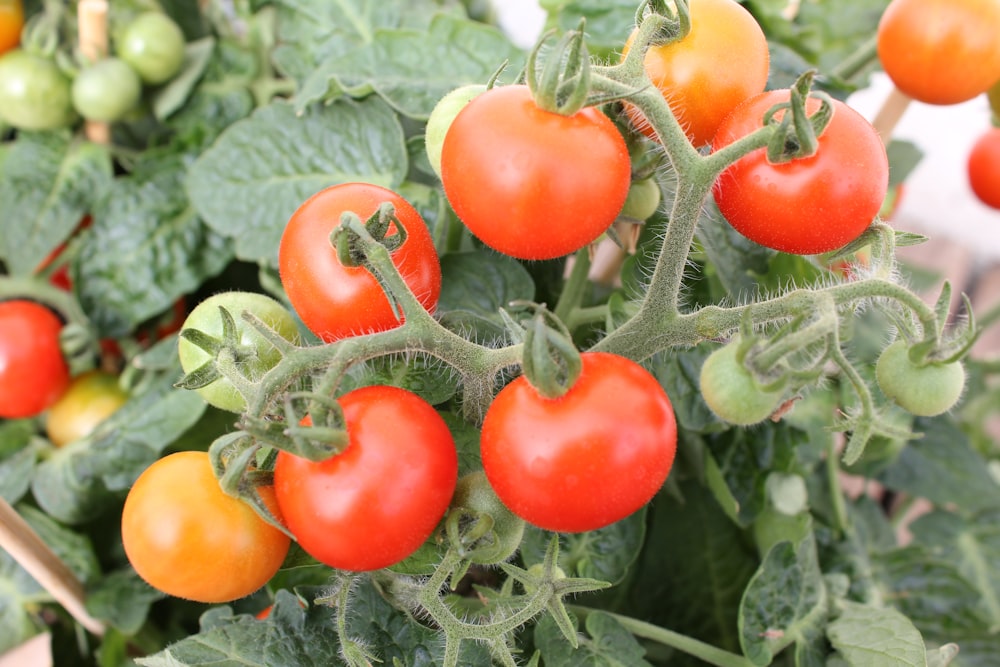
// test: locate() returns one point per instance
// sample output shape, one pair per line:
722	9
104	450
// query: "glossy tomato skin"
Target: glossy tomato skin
337	301
376	502
722	61
153	45
984	168
530	183
809	205
206	317
33	372
11	24
587	459
941	51
186	537
34	93
90	399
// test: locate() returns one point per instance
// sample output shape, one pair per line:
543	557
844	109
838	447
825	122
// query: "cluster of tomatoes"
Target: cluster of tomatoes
38	93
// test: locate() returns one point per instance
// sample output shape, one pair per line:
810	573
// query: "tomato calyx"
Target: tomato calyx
562	84
551	362
677	24
379	226
233	457
797	133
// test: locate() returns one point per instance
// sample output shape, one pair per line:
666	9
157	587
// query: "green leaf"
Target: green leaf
944	468
678	371
872	637
429	378
81	479
146	248
262	168
122	600
734	259
475	285
172	96
18	454
48	182
784	603
315	31
605	554
606	644
413	68
608	23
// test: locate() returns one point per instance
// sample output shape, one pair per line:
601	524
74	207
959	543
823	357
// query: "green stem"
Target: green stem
693	647
574	287
865	56
840	519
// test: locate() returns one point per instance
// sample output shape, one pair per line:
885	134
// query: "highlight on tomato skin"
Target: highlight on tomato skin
808	205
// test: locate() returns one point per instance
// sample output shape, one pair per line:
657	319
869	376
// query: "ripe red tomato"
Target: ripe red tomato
530	183
984	168
33	372
941	51
186	537
584	460
809	205
722	61
90	399
11	23
376	502
336	301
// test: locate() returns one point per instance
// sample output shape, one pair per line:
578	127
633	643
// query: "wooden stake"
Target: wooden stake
25	546
92	21
890	113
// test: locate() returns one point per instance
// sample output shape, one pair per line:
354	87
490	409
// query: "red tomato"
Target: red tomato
984	168
531	183
584	460
941	51
33	372
11	23
722	61
809	205
186	537
376	502
337	301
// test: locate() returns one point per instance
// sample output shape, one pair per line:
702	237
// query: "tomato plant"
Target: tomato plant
807	205
940	51
377	501
90	399
926	389
34	93
559	181
106	90
33	372
186	537
152	44
706	73
983	167
253	354
11	23
574	463
334	299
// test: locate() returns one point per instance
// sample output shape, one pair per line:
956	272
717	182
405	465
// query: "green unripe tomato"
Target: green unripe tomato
924	391
259	356
440	120
106	91
153	45
642	201
731	391
473	492
34	92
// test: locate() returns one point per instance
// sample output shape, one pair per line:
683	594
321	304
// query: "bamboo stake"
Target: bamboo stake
891	111
25	546
92	22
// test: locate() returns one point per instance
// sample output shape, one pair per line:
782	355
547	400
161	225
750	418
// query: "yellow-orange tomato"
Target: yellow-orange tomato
90	399
722	61
186	537
11	23
941	51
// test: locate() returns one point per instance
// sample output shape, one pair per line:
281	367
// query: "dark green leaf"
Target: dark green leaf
17	467
608	23
146	248
734	258
262	168
48	182
172	96
475	286
122	600
429	378
784	603
605	554
678	372
412	68
606	644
